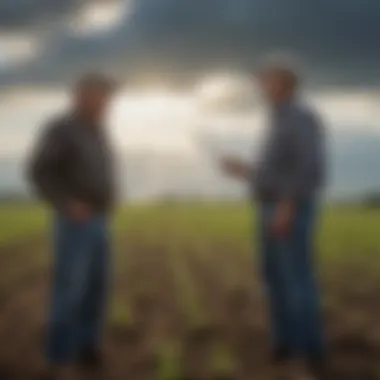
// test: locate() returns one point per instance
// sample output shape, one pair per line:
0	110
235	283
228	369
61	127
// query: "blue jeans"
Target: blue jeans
80	272
288	269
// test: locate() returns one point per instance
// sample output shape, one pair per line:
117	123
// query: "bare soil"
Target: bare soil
235	324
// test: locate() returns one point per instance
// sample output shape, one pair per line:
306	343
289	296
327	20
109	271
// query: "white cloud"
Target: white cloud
170	146
350	110
97	18
17	47
167	122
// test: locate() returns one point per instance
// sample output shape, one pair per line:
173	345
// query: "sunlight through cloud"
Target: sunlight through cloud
98	18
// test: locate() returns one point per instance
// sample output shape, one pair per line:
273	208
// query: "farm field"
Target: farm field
187	298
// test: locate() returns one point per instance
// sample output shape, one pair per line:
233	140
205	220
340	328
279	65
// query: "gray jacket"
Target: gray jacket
292	164
72	160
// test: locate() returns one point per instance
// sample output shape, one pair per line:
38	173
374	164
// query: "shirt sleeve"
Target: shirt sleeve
306	163
45	166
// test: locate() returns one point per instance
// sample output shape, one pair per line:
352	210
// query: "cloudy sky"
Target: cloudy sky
177	60
177	39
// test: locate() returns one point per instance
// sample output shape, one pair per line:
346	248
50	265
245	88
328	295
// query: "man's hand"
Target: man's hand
283	219
78	211
236	168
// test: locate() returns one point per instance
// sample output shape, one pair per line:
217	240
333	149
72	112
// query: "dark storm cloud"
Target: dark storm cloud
24	13
337	39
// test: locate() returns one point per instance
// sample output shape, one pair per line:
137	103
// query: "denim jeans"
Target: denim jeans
288	269
80	272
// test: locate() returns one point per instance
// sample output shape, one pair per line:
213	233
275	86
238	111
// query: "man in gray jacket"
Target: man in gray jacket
286	182
71	169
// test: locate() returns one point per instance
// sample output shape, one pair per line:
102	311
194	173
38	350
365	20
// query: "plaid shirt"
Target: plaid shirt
292	164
